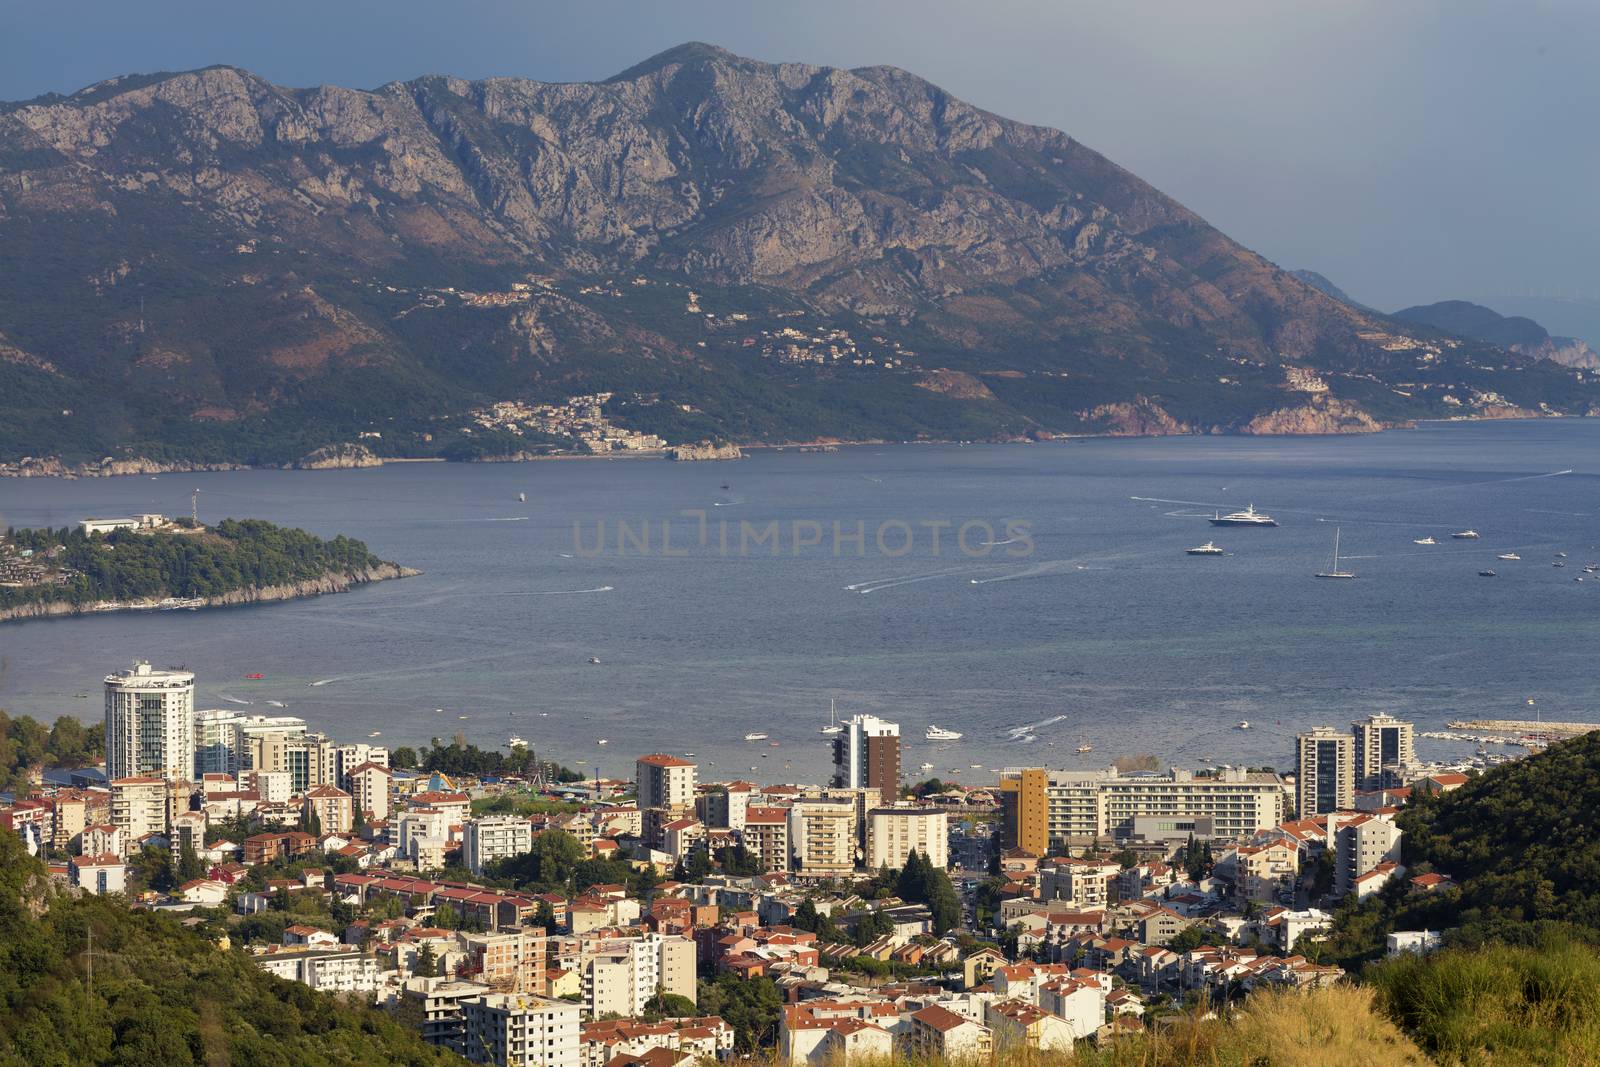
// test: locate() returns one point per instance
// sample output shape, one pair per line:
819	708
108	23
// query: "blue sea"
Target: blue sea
1082	622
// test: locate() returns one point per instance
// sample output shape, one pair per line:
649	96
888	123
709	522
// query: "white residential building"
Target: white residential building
894	833
493	838
515	1030
1383	743
1360	843
822	836
150	723
138	807
328	972
1325	769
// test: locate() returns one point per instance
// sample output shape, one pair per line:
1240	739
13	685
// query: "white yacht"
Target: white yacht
1508	556
1465	535
833	726
939	733
927	766
1207	549
755	736
1244	724
1333	571
1085	747
515	742
1423	541
1248	517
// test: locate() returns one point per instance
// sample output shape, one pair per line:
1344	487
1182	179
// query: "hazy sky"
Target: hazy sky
1411	150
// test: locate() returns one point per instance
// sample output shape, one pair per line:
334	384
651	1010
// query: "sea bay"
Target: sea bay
1104	632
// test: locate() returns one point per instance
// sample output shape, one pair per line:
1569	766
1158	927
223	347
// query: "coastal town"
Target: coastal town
516	912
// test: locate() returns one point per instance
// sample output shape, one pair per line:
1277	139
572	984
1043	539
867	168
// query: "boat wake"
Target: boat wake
1043	570
876	584
566	592
1028	731
233	700
320	682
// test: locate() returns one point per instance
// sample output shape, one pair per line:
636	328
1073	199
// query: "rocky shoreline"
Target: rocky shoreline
332	582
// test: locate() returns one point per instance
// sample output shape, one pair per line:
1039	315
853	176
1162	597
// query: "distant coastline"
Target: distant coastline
53	467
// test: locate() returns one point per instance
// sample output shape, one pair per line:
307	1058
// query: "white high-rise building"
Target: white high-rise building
150	723
216	741
1325	768
1383	744
867	756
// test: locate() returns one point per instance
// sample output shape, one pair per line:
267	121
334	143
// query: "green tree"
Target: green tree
671	1006
190	866
751	1007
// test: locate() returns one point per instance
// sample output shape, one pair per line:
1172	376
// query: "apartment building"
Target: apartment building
138	807
665	781
894	833
1042	810
822	836
369	785
1384	749
518	1030
508	962
867	756
620	975
766	834
492	838
149	723
1325	769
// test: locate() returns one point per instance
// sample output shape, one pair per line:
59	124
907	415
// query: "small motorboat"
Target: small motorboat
1244	724
594	659
1487	574
1465	535
256	677
1423	541
1512	556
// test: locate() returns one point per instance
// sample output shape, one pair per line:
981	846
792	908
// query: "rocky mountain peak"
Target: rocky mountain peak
727	247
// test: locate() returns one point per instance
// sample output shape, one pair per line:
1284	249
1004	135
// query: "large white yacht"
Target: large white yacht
939	733
1248	517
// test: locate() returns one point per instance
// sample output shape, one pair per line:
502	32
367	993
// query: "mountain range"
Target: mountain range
206	268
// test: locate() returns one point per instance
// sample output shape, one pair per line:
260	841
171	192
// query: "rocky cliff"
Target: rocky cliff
208	268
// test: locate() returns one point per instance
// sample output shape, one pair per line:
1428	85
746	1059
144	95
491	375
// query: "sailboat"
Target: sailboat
833	726
1333	571
522	497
